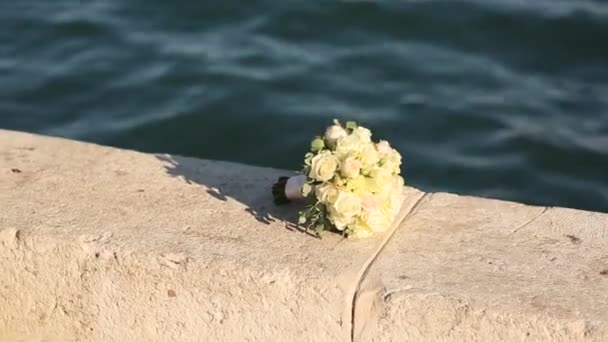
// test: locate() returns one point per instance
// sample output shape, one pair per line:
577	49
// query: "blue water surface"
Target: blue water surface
499	98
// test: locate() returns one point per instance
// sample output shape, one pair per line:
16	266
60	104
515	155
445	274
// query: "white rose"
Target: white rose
334	132
397	161
399	183
392	161
376	220
394	184
326	193
369	156
348	145
363	133
383	147
360	234
341	222
397	196
370	202
323	166
397	199
350	167
381	180
346	205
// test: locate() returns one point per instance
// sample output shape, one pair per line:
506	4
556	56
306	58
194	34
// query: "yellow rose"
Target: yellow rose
359	185
323	166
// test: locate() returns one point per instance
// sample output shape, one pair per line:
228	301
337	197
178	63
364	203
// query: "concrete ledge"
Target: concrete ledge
471	269
103	244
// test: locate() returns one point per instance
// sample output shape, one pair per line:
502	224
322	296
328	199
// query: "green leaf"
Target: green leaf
317	145
302	219
351	125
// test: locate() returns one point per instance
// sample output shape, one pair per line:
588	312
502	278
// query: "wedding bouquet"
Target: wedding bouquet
354	184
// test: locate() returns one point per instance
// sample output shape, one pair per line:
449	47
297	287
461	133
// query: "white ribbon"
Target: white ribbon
293	188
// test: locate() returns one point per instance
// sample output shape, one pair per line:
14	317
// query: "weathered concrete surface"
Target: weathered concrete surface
471	269
102	244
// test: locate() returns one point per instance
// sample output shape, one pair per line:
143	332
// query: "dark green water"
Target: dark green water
498	98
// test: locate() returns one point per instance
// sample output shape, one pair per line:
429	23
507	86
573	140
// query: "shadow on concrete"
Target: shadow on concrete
248	185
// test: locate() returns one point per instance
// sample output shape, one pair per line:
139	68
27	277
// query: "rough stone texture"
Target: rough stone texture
102	244
471	269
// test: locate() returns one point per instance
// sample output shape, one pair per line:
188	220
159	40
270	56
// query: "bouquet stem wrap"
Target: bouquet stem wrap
288	189
293	188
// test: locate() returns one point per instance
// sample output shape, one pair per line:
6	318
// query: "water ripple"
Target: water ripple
500	98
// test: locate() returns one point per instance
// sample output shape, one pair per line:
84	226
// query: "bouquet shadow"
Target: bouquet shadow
225	180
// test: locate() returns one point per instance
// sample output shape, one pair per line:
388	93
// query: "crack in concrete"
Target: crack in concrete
531	220
372	259
388	294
